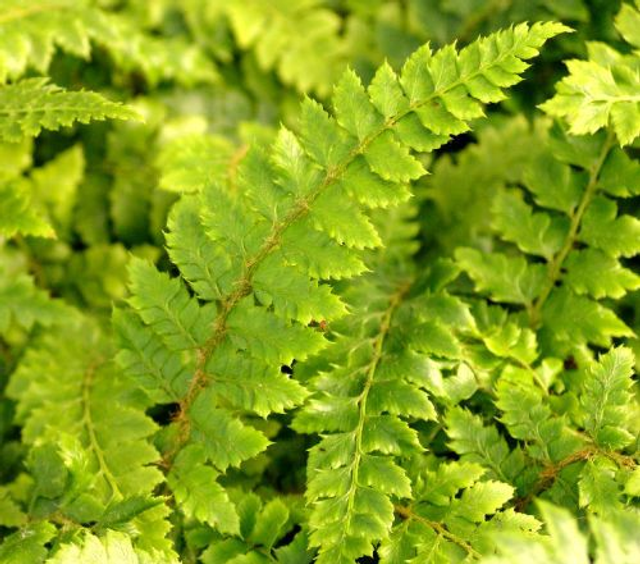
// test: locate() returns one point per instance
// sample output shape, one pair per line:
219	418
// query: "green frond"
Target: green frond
165	305
461	184
301	41
195	487
30	105
607	390
579	234
615	540
508	279
451	506
483	445
66	385
603	90
32	30
258	253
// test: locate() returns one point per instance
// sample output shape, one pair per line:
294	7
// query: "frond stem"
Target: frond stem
554	268
408	514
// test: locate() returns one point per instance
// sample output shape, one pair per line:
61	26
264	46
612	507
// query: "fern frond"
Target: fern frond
461	183
616	540
30	105
299	214
363	407
603	90
301	41
607	390
453	517
573	208
66	385
32	30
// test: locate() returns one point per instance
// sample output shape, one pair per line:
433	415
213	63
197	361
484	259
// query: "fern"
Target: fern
615	539
454	517
33	29
603	91
279	355
461	183
69	400
301	41
28	106
298	217
559	297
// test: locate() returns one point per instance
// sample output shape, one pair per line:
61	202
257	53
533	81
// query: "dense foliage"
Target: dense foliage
319	281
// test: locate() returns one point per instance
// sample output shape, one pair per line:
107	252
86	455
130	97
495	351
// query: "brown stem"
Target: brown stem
439	528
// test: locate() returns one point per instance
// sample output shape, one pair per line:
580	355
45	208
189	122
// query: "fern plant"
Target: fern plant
297	219
244	330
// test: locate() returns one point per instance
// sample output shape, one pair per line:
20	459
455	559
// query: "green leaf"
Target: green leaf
577	319
30	105
160	372
196	489
599	275
28	544
226	440
553	183
354	111
268	337
599	492
250	384
534	233
505	278
391	160
606	396
164	304
616	236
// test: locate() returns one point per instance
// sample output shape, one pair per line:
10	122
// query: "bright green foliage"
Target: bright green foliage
114	548
30	206
31	30
301	40
80	423
604	399
238	330
61	391
30	105
616	540
262	279
23	304
452	505
363	409
603	91
461	184
560	295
